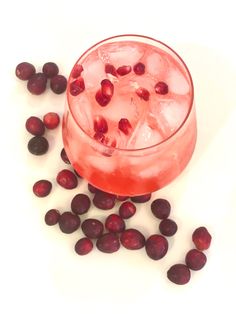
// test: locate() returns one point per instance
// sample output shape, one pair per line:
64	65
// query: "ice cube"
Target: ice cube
94	71
177	82
156	65
101	163
83	112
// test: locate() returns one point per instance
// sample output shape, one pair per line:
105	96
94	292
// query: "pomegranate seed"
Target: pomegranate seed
37	83
161	88
83	246
201	238
141	198
102	99
139	68
114	223
143	93
121	198
132	239
100	125
51	217
123	70
92	188
58	84
67	179
25	70
42	188
107	88
195	259
100	137
104	200
77	70
127	210
77	86
69	222
92	228
109	68
125	126
108	243
64	156
156	246
50	69
35	126
51	120
168	227
161	208
179	274
38	145
80	204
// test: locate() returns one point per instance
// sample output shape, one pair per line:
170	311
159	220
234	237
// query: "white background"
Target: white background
40	273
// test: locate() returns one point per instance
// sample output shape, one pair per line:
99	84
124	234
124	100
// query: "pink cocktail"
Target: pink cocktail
130	126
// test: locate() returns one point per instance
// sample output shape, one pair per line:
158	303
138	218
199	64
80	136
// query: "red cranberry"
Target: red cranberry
92	188
92	228
139	68
58	84
80	204
168	227
51	217
114	223
125	126
123	70
195	259
24	71
156	246
77	70
132	239
69	222
127	210
37	83
201	238
161	88
64	156
160	208
104	200
67	179
108	243
121	198
51	120
77	86
50	69
179	274
102	99
100	125
109	68
35	126
141	198
107	88
83	246
38	145
143	93
42	188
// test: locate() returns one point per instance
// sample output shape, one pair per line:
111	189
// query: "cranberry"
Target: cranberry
107	88
37	83
50	69
160	208
201	238
24	71
69	222
195	259
38	145
123	70
80	204
100	125
64	156
35	126
168	227
108	243
42	188
143	93
132	239
102	99
179	274
77	86
156	246
51	120
141	198
83	246
92	188
51	217
58	84
114	223
77	70
109	68
125	126
139	68
121	198
67	179
104	200
127	210
161	88
92	228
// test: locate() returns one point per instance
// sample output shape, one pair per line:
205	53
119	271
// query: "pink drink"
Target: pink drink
136	131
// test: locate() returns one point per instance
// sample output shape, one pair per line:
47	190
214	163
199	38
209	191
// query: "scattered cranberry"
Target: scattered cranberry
179	274
114	223
143	93
42	188
121	198
100	125
77	70
125	126
108	243
160	208
80	204
50	69
195	259
51	217
168	227
109	68
69	222
92	228
83	246
161	88
64	156
37	83
123	70
24	71
156	246
141	198
77	86
104	200
132	239
58	84
92	188
127	210
201	238
35	126
67	179
38	145
102	99
51	120
139	68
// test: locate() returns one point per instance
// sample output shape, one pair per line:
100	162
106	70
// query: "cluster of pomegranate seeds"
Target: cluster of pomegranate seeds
80	204
68	222
38	145
104	94
51	120
42	188
67	179
83	246
35	126
52	217
92	228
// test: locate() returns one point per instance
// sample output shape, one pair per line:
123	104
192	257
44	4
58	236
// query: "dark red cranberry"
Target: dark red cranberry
104	200
64	156
38	145
92	228
80	204
123	70
100	125
132	239
35	126
114	223
125	126
83	246
143	93
25	70
42	188
121	198
139	68
141	198
108	243
109	68
92	188
58	84
161	88
77	86
201	238
179	274
161	208
77	70
102	99
51	217
67	179
37	83
127	210
195	259
168	227
107	88
51	120
69	222
50	69
156	246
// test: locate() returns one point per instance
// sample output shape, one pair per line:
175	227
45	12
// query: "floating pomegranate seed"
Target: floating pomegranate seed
100	137
42	188
50	69
35	126
107	88
201	238
139	68
127	210
77	86
132	239
51	217
92	188
161	88
25	70
161	208
179	274
121	198
69	222
102	99
141	198
51	120
83	246
67	179
100	125
195	259
109	68
108	243
37	83
168	227
92	228
156	246
64	156
38	145
80	204
123	70
125	126
104	200
143	93
114	223
58	84
77	70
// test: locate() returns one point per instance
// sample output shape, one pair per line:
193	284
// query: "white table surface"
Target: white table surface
39	271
